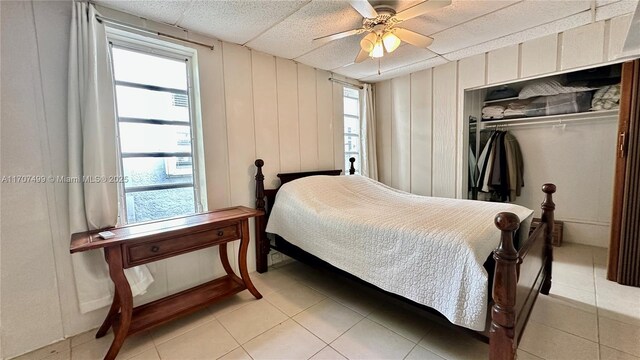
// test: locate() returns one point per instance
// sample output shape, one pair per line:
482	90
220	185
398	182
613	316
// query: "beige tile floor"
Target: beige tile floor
308	314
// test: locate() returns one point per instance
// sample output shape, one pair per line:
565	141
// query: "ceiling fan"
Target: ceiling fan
380	24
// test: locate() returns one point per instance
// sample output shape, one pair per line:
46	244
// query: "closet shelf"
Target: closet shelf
583	116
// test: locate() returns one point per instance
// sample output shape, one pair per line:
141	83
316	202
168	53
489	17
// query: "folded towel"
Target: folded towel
492	117
493	109
516	109
492	112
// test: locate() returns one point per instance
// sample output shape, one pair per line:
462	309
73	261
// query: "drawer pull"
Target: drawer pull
220	233
155	248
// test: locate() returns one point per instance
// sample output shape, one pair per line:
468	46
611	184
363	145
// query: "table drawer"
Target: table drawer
141	253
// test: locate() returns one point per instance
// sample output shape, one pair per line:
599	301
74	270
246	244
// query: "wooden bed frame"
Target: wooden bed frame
518	277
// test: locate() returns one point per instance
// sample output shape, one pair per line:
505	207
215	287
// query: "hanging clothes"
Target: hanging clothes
501	167
515	166
473	167
483	161
499	174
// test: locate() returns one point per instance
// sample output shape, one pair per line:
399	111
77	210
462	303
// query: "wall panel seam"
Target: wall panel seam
315	84
605	43
559	51
519	74
298	114
253	101
410	137
45	147
432	128
275	65
459	136
392	127
226	122
486	68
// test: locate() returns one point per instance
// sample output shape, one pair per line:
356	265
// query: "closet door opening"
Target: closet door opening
565	129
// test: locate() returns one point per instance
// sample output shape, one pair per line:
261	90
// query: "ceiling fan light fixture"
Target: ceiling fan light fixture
378	50
368	42
390	41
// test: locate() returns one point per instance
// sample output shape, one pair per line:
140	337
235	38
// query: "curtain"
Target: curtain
93	152
369	166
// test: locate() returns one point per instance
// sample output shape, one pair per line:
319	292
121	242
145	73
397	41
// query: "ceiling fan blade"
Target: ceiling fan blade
421	9
337	36
413	38
364	8
362	56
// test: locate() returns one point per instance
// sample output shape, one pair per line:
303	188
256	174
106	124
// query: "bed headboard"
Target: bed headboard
270	194
286	177
265	199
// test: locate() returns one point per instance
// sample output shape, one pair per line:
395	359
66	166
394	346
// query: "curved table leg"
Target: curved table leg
224	258
242	260
113	311
124	297
108	321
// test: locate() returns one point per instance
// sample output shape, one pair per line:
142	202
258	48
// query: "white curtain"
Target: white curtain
92	152
369	166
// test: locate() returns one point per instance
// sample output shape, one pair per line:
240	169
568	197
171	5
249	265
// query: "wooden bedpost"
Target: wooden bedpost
548	208
502	342
262	243
352	169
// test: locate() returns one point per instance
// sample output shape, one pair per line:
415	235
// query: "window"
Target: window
351	98
155	133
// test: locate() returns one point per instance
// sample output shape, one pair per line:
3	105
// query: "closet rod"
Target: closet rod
543	122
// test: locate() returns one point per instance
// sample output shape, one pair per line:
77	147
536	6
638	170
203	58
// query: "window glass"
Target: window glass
140	68
150	104
351	106
159	204
146	171
351	99
155	135
145	137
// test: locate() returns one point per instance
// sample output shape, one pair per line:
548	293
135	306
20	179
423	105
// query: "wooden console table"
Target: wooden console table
139	244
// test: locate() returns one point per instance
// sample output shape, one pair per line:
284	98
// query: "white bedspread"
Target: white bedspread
427	249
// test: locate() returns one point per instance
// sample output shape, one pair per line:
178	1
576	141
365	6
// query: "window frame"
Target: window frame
132	41
357	155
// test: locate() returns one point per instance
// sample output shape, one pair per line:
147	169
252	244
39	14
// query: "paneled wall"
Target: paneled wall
422	132
27	255
253	105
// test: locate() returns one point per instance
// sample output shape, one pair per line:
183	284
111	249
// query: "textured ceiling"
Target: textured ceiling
286	28
293	37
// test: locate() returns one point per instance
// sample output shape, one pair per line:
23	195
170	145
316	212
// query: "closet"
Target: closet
564	137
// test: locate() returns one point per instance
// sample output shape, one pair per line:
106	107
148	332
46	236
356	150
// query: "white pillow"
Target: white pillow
549	87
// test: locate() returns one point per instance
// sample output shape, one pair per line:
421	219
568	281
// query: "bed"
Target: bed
516	271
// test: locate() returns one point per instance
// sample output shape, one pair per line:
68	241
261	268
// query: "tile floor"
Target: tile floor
307	314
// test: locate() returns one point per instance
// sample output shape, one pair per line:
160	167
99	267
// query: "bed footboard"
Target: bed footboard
519	276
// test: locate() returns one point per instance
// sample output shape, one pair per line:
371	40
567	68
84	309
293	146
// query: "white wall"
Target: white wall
253	105
28	272
579	160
